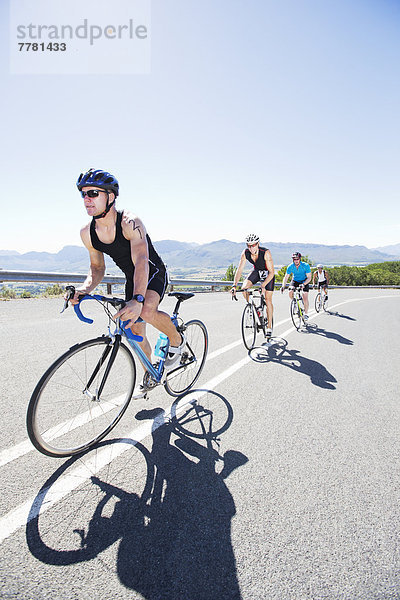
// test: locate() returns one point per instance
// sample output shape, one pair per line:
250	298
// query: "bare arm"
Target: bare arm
269	263
239	270
97	266
307	279
284	281
134	230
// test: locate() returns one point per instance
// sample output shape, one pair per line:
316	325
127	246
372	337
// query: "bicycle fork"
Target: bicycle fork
96	397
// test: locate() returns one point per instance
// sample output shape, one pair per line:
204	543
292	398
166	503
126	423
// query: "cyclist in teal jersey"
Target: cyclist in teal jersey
301	275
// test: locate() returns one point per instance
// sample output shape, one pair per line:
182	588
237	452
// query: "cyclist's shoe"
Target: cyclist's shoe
174	355
268	333
305	317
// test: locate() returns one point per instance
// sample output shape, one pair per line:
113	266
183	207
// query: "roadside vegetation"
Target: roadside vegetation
386	273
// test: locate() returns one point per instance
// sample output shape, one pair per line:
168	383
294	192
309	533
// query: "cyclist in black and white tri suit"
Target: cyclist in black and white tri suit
323	278
263	271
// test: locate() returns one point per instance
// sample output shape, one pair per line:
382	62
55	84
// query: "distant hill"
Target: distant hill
189	258
393	250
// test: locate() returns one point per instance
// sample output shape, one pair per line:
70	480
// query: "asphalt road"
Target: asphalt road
287	489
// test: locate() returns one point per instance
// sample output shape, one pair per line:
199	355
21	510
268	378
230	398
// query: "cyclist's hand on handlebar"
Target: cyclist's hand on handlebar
282	289
72	295
78	293
233	292
130	312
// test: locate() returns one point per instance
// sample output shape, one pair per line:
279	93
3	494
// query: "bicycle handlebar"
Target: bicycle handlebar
116	302
248	291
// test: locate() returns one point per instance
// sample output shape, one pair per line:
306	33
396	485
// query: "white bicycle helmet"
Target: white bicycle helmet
252	238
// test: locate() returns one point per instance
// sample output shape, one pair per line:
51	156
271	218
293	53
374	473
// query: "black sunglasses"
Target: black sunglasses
91	193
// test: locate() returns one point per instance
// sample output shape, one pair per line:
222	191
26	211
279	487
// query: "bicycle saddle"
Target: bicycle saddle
181	295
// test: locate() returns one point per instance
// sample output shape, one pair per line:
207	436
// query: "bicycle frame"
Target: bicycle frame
252	300
299	300
120	330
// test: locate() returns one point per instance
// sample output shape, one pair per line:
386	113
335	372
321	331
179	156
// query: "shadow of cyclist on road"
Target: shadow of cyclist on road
185	551
340	315
331	335
278	353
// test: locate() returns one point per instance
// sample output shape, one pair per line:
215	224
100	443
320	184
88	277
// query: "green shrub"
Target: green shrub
54	290
7	293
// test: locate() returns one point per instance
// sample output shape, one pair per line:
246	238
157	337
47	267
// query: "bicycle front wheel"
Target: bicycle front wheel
295	314
81	397
249	326
318	302
182	378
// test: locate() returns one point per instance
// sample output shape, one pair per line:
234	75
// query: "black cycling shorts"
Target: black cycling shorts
158	281
297	283
255	276
323	283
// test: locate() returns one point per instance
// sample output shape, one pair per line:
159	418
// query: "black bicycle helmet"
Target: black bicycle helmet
296	255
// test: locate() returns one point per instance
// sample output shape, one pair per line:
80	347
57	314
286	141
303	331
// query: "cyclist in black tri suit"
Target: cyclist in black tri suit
263	271
122	235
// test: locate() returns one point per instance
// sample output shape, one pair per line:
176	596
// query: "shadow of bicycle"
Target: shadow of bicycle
340	315
169	508
277	351
331	335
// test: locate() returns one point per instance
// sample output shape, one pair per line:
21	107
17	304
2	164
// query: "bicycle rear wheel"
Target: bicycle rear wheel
182	378
81	397
249	326
318	302
295	314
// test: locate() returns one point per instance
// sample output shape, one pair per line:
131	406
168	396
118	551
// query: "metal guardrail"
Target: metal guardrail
110	280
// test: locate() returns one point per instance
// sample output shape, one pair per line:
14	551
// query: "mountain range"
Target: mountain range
183	258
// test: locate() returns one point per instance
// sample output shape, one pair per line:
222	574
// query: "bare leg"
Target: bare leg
140	329
270	307
159	319
306	303
245	286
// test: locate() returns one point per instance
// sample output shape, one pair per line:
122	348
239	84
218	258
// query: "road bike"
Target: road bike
84	393
254	318
297	310
321	300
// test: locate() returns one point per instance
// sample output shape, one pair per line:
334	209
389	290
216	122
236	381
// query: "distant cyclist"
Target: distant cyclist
301	272
263	271
122	235
323	279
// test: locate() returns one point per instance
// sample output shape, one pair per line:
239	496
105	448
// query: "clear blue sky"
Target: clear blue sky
279	117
